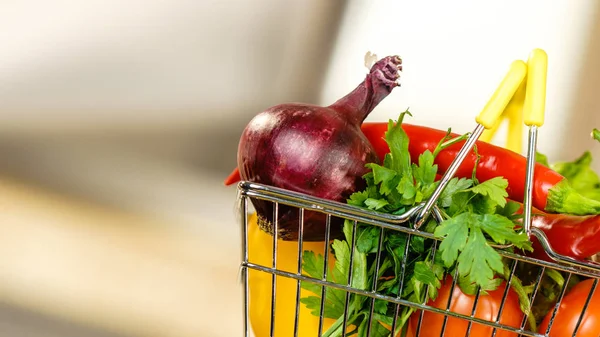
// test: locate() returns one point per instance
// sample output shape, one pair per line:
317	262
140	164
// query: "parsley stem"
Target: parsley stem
336	327
405	316
477	159
444	144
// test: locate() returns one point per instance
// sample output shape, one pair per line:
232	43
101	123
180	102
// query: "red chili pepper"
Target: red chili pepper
233	178
575	236
571	235
551	191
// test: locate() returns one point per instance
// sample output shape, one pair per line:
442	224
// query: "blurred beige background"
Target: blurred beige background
120	120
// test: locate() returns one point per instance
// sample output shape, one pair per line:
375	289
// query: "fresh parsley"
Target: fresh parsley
477	215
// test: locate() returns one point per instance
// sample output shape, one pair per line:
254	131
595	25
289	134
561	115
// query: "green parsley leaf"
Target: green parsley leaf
412	290
358	198
426	192
395	244
313	266
407	188
438	271
423	273
368	239
501	230
334	298
455	232
342	265
383	176
571	169
498	227
427	274
387	161
425	172
389	285
313	303
470	288
460	203
381	306
376	204
397	141
377	329
481	204
494	188
454	185
581	175
417	244
397	203
510	210
541	159
478	260
342	261
555	276
347	229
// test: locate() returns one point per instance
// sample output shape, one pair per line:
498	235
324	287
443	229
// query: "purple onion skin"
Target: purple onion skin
320	151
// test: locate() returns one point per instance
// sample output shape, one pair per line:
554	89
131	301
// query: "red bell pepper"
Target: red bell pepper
551	191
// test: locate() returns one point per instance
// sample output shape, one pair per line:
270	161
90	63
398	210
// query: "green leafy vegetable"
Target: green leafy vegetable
541	159
376	204
456	233
478	261
425	172
454	185
424	274
494	188
398	143
477	214
580	175
579	172
334	298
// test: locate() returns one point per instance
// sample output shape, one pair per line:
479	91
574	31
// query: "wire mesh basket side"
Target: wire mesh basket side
359	217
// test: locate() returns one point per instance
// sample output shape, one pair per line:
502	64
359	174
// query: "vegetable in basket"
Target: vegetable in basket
579	172
316	150
571	235
570	312
575	236
260	252
487	309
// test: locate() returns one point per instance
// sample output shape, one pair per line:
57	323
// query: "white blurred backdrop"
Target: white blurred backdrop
120	120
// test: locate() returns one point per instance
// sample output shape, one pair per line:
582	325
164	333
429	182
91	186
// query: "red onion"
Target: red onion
320	151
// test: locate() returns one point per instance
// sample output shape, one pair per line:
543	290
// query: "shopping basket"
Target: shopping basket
409	225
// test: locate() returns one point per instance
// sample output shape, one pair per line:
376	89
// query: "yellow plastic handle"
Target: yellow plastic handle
535	97
503	94
513	113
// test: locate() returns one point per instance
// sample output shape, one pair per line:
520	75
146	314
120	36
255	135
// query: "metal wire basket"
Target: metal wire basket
408	225
388	223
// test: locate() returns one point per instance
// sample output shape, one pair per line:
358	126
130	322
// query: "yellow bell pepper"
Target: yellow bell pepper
260	251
